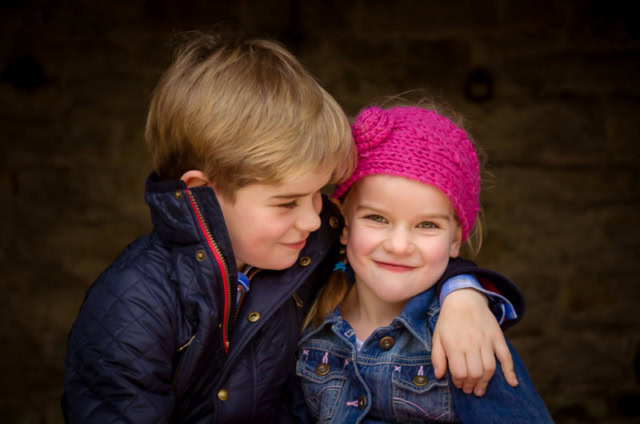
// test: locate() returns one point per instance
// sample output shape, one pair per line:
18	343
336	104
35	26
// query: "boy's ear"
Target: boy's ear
194	178
454	251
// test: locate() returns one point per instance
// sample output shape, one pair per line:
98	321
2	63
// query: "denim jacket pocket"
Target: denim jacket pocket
418	396
322	379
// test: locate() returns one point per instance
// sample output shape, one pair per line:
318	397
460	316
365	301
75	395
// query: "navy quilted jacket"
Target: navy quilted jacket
158	338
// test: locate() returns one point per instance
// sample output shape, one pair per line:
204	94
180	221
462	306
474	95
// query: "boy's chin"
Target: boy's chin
277	264
282	265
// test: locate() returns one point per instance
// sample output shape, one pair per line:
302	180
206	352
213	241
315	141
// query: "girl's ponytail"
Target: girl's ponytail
330	295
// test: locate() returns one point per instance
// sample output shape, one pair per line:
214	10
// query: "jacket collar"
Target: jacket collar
173	215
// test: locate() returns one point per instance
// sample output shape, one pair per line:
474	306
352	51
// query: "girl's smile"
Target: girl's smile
394	267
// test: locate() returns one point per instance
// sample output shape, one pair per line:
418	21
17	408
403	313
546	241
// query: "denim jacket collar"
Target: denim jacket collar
419	316
420	309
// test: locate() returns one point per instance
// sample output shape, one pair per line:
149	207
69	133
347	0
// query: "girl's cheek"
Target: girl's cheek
361	242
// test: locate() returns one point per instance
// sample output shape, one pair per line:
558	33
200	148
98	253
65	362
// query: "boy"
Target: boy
242	139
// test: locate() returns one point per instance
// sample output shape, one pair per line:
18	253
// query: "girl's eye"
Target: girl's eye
376	218
289	205
427	225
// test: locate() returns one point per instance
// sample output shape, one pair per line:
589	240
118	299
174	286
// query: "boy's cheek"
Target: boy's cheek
317	202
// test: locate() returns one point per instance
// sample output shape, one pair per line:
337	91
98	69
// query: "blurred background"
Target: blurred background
549	88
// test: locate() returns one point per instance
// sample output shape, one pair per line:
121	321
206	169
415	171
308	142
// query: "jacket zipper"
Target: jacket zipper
222	265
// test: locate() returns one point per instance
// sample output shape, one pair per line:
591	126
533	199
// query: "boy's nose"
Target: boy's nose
309	219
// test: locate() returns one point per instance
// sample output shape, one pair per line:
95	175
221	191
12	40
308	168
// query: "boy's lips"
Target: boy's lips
297	245
394	267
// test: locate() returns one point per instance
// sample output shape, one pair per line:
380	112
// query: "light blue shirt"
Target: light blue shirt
500	305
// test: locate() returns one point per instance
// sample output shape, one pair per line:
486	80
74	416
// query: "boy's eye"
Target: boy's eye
376	218
289	205
427	225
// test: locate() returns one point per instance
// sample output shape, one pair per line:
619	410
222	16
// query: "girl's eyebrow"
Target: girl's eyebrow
426	215
435	216
365	206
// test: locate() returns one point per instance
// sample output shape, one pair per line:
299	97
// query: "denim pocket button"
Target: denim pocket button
420	380
387	343
323	369
323	380
415	391
362	402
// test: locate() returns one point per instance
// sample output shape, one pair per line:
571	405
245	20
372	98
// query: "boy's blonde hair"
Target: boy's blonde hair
244	112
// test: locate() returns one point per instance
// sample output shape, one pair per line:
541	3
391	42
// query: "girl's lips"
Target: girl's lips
394	267
296	246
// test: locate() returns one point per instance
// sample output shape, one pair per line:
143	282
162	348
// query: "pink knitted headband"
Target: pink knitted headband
419	144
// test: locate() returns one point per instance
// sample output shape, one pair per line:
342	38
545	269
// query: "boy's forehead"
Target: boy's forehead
295	186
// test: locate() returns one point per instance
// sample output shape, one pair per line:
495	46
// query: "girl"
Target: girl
409	206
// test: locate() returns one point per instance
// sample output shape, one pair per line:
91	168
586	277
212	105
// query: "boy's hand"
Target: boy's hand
468	334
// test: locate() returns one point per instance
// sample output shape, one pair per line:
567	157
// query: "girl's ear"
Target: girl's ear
345	233
345	230
454	251
194	178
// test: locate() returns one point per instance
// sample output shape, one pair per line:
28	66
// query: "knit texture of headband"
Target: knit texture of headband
421	145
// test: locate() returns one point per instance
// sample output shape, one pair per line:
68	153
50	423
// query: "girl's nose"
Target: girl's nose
399	242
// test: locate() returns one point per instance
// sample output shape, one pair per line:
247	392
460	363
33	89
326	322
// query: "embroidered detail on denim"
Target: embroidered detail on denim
305	352
349	332
346	362
325	358
397	368
353	403
421	370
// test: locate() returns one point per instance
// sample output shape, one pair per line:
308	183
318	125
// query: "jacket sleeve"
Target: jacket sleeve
118	365
501	402
490	280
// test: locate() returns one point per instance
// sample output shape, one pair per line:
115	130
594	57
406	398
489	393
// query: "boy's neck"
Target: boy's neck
365	312
240	265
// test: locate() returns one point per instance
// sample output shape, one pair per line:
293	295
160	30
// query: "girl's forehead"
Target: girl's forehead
393	193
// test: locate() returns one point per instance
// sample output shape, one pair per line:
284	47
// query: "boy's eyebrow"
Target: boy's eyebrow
290	195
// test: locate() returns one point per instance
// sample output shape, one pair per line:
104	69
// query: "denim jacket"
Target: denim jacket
391	378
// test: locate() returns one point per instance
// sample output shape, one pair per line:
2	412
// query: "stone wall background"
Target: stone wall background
551	89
